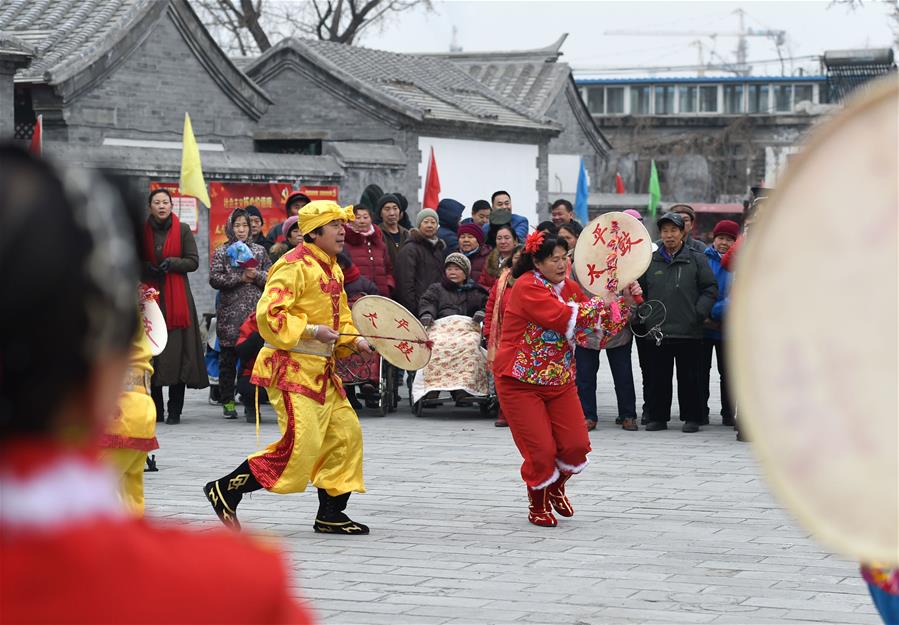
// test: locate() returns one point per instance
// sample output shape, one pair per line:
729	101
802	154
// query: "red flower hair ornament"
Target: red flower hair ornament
534	242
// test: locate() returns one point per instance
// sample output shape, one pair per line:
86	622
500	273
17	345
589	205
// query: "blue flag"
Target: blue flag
580	201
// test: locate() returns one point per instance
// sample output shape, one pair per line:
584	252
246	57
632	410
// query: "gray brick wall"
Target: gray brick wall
7	118
573	139
146	97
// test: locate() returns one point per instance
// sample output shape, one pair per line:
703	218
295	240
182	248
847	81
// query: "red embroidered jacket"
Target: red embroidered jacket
540	326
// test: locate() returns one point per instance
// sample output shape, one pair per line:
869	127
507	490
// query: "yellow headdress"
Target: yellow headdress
320	212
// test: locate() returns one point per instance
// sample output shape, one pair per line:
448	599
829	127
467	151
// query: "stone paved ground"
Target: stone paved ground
670	528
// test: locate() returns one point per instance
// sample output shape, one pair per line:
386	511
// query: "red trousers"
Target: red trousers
547	425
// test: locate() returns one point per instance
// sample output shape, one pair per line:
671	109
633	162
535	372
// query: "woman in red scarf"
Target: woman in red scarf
169	253
534	371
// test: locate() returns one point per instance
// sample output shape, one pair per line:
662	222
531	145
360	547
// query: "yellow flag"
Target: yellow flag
192	182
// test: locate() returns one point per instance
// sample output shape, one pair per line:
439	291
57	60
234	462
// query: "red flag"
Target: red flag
432	185
37	138
619	184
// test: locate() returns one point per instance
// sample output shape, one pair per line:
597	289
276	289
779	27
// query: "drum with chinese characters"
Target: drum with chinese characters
612	251
393	331
153	320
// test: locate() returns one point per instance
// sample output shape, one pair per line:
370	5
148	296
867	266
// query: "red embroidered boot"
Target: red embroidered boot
539	511
557	498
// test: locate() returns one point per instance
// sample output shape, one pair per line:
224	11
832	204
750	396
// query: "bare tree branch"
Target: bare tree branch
249	26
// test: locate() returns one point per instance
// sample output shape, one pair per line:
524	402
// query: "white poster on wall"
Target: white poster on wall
473	170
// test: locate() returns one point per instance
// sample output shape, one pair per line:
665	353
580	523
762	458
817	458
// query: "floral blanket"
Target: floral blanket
458	362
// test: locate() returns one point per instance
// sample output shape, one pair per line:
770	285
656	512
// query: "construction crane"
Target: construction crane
741	68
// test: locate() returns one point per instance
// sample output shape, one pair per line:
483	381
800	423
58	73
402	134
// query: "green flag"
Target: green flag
655	193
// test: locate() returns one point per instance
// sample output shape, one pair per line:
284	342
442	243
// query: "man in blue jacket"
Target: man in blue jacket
725	233
502	201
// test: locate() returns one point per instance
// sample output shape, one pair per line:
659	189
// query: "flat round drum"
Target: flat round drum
614	246
812	331
394	331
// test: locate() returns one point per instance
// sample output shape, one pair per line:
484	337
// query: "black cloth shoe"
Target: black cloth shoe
655	426
225	493
690	427
331	518
727	420
173	419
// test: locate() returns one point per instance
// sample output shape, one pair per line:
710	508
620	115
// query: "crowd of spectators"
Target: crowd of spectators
443	262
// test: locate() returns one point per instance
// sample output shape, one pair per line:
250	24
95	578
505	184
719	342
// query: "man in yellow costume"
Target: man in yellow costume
132	432
306	324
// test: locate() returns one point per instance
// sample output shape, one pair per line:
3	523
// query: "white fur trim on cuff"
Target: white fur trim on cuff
551	480
572	322
572	468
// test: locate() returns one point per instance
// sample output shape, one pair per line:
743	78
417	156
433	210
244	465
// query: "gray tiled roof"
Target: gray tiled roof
426	87
530	78
61	31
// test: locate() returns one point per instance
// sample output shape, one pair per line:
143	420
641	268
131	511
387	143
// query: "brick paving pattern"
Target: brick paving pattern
669	527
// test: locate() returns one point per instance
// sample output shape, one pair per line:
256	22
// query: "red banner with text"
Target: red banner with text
269	198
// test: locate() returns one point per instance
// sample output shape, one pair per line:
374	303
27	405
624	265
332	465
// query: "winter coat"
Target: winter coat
369	253
357	286
478	260
723	277
238	298
393	247
419	264
449	212
264	242
686	286
444	298
182	361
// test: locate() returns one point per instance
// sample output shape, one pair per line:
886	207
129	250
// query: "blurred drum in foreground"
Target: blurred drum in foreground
813	331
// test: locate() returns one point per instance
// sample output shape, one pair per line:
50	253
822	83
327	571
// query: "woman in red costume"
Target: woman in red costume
534	369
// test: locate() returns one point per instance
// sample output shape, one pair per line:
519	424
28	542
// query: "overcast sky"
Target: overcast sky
811	28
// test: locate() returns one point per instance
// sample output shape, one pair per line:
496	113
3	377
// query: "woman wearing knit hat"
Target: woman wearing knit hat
471	243
448	308
419	263
726	233
388	215
455	294
256	223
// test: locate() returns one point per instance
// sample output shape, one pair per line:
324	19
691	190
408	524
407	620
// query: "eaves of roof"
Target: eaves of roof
74	65
422	89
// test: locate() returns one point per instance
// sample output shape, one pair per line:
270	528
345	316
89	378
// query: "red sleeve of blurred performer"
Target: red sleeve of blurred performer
114	571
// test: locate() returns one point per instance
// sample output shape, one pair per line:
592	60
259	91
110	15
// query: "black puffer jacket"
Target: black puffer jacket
419	264
444	298
686	286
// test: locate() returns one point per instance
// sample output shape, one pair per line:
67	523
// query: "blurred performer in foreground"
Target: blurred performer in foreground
69	551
